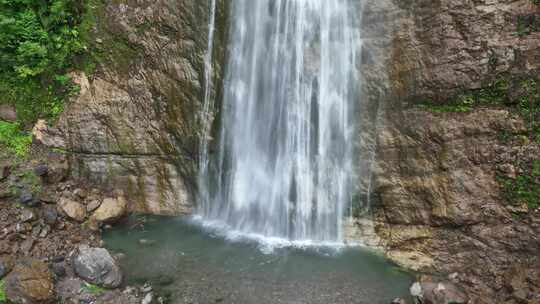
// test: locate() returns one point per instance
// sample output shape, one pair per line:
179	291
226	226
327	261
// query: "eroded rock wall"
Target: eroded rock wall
135	124
439	204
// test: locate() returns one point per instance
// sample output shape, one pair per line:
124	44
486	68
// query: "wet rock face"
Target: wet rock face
440	47
440	206
135	124
440	169
438	201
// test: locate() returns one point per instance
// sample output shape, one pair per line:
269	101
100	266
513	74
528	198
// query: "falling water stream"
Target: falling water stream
283	168
281	172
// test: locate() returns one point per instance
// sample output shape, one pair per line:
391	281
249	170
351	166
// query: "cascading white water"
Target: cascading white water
206	115
283	168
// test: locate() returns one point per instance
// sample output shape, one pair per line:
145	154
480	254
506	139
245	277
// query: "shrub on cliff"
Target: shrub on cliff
38	42
14	139
3	297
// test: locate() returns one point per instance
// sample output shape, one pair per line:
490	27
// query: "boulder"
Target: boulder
8	112
6	264
30	282
430	291
110	210
72	209
93	205
97	266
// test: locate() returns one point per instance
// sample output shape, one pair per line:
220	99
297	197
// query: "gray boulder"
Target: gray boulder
97	266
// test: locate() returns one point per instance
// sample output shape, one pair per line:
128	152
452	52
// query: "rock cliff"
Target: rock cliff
135	124
454	140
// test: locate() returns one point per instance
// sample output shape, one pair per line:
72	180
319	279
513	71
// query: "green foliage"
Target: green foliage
529	105
31	181
494	93
537	2
3	297
521	95
94	289
103	46
525	188
464	104
39	40
528	24
27	180
16	141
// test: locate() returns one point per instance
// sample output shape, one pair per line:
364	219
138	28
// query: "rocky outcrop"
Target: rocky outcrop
47	136
442	47
135	124
438	201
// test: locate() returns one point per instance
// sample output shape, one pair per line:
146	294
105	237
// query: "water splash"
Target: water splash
283	168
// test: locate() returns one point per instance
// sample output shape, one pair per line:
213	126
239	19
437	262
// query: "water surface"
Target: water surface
194	265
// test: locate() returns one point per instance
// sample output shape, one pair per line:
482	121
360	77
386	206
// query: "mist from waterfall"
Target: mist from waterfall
283	165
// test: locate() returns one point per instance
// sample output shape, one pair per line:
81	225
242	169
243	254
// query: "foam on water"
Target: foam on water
268	245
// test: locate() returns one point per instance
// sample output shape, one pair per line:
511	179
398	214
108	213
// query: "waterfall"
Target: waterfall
284	162
206	115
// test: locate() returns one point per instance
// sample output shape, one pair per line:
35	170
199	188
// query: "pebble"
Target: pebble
23	227
148	298
50	215
41	170
146	242
27	215
45	231
25	196
27	245
146	288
